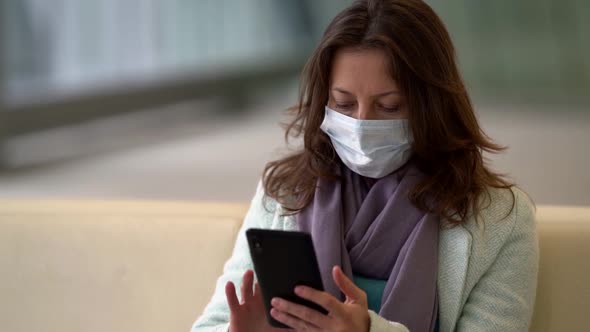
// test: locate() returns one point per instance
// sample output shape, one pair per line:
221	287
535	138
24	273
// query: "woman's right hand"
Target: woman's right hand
250	314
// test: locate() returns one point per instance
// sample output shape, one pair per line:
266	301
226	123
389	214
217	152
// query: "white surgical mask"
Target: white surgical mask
372	148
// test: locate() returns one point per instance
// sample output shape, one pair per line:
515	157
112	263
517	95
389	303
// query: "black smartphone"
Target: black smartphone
283	260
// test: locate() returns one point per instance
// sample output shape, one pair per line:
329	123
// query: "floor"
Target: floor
208	157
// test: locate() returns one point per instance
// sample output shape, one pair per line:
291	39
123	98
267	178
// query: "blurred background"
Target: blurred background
182	100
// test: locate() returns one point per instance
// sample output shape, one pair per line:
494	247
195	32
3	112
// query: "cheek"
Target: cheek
404	113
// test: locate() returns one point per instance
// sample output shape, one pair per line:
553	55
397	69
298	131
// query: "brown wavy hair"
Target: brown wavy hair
448	141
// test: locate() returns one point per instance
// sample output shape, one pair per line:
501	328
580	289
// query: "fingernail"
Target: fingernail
299	290
275	301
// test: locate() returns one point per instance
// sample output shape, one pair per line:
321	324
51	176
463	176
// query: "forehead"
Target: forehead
361	71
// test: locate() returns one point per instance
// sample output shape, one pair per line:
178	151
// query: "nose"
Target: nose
364	112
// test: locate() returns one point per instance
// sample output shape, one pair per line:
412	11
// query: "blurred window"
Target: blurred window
65	46
531	49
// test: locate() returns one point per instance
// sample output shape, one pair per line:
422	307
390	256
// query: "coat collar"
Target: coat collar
453	259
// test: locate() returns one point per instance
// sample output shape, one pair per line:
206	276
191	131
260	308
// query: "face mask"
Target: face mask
372	148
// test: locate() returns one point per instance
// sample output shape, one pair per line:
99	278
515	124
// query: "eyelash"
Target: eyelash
344	106
391	109
386	109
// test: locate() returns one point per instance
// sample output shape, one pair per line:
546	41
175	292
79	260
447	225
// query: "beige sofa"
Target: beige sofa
151	266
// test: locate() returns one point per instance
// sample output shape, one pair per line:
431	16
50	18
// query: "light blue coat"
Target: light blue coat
487	271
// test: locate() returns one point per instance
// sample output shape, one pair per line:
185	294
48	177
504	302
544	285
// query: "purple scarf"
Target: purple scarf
369	227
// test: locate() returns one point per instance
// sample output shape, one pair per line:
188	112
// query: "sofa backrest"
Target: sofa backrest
151	266
563	291
110	266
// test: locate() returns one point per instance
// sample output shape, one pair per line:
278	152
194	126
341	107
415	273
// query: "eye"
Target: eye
390	109
344	106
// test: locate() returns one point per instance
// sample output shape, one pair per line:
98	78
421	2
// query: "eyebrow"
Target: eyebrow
377	95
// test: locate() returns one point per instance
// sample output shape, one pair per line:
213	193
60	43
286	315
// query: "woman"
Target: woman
412	230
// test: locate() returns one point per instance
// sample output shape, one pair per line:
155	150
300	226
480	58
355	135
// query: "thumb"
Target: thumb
352	292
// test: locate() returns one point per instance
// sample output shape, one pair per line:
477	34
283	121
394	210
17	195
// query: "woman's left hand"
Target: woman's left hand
352	315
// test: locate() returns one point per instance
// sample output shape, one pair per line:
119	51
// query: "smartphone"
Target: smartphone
283	260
